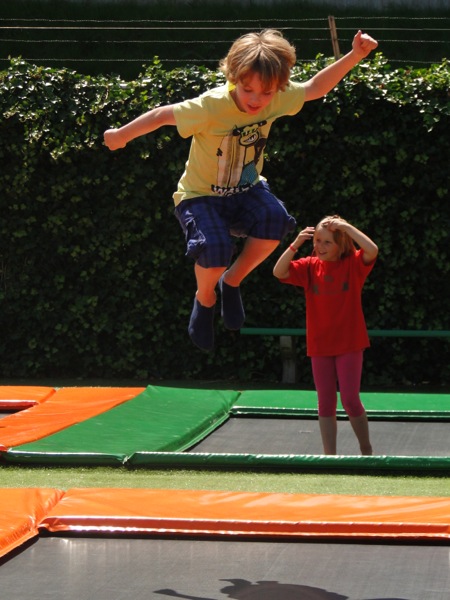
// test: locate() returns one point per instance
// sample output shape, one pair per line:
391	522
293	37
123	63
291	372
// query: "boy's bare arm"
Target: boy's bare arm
324	81
146	123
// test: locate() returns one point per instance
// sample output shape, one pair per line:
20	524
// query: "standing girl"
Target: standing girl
336	333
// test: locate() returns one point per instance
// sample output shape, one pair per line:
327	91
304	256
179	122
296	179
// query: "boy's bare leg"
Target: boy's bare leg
328	432
206	283
201	324
253	253
360	426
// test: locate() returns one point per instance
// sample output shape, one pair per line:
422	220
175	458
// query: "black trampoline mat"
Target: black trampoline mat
302	436
6	413
55	568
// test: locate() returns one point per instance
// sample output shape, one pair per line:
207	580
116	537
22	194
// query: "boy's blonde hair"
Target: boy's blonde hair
266	53
341	238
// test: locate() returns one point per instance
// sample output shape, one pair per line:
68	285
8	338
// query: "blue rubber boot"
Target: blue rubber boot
232	308
201	326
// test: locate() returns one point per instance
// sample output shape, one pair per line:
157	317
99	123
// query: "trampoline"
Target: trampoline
302	436
120	569
159	426
208	545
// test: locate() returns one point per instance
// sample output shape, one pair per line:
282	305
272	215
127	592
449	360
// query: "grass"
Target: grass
249	481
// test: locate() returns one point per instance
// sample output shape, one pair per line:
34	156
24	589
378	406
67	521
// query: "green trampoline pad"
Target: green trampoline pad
159	419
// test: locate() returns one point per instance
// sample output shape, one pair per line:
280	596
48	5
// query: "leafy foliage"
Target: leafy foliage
94	281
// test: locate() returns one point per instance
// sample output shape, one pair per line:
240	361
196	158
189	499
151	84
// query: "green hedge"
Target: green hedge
94	281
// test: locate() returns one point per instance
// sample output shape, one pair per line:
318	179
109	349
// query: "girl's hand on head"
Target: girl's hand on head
335	223
305	234
363	44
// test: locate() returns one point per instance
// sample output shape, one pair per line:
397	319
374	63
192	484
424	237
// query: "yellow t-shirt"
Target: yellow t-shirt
227	148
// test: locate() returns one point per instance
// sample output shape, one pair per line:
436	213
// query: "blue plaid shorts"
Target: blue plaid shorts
209	223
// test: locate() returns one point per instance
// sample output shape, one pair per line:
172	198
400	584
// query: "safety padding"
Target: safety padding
241	514
21	511
18	397
64	408
158	419
378	405
290	462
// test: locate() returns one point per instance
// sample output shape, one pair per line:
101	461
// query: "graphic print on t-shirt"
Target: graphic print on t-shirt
329	286
238	155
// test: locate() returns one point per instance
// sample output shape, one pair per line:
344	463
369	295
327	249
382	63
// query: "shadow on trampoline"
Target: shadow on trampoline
242	589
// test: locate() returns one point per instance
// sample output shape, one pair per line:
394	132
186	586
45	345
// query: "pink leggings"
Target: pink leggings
344	370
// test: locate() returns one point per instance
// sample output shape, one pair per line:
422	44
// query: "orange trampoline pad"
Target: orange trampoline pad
23	396
64	408
21	511
216	513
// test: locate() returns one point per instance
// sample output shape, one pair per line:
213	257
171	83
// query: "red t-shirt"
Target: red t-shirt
335	321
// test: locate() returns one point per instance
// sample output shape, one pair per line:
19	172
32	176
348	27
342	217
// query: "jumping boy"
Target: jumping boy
222	192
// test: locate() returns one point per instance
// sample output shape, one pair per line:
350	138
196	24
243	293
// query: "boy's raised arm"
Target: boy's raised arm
146	123
324	81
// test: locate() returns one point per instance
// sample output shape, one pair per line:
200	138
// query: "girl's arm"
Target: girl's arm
281	269
326	79
369	248
146	123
